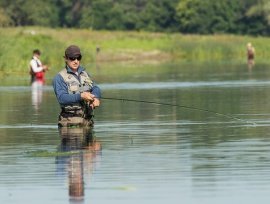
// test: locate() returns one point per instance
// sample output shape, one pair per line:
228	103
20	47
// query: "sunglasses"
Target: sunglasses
75	58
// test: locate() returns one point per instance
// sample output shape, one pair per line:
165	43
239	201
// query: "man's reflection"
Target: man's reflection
82	150
37	93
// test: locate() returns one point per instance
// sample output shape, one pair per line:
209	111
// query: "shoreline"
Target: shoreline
17	44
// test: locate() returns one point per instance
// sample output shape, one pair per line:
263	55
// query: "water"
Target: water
138	152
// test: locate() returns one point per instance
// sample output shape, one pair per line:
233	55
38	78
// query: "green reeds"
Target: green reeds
16	45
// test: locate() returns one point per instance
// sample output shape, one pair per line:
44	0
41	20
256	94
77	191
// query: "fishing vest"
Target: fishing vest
31	72
76	86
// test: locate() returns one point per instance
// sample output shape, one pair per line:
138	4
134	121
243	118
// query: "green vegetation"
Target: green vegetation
16	45
185	16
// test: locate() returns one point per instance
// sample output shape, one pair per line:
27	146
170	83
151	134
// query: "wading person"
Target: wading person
76	93
37	69
250	55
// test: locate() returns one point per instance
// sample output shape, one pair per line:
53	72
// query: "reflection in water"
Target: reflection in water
37	93
82	150
250	64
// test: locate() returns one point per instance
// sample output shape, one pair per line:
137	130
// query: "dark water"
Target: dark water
138	152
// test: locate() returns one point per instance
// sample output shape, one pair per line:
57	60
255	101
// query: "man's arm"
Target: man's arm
96	91
61	92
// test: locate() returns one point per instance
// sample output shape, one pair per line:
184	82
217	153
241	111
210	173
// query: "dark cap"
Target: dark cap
37	52
72	51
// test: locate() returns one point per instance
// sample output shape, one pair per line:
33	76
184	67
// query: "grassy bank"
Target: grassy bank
16	45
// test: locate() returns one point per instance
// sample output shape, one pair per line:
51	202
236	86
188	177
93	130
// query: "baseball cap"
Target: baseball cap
72	51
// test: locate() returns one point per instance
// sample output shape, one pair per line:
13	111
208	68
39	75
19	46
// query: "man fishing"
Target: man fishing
37	69
76	93
250	55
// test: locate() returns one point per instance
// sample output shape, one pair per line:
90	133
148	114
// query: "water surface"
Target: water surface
139	152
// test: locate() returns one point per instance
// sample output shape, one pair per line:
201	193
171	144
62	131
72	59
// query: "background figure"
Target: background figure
37	69
250	55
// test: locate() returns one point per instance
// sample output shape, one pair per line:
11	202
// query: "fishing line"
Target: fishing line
179	106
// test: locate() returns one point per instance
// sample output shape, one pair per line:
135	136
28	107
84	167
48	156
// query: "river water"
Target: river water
213	147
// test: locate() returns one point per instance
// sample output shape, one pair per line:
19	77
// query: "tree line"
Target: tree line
250	17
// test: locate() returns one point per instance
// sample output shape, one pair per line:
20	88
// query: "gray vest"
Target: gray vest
75	86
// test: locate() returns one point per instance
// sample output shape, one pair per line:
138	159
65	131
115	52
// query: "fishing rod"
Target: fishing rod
180	106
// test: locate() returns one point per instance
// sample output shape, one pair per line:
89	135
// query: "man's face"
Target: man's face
37	55
73	62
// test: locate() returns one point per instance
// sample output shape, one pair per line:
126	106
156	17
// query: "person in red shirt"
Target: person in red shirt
37	69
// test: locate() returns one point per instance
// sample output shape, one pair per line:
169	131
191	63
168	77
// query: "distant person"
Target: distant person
37	69
250	55
75	91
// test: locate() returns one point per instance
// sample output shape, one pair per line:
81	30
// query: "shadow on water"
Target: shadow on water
83	148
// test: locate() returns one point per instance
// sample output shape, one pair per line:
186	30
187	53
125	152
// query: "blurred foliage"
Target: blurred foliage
186	16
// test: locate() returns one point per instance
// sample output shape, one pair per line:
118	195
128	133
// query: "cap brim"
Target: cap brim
74	55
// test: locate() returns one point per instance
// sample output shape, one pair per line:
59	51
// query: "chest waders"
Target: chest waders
78	114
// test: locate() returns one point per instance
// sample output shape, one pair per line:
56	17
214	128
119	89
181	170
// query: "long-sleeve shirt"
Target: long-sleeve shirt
61	89
36	65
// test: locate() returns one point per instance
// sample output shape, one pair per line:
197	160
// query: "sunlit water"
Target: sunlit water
142	152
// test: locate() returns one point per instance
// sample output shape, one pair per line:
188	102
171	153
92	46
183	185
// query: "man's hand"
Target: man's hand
95	103
45	68
87	96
